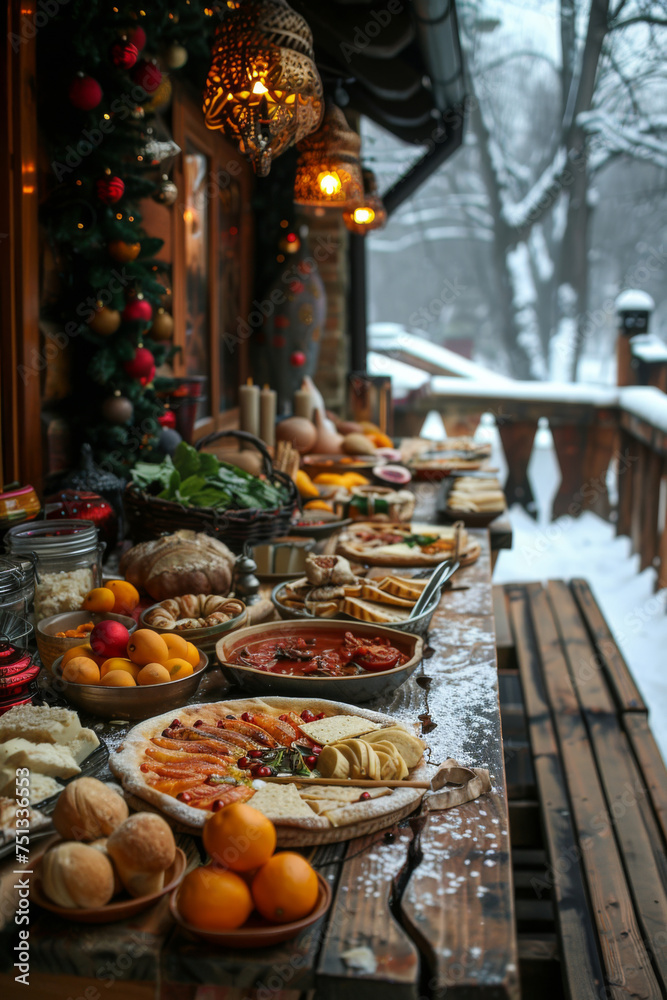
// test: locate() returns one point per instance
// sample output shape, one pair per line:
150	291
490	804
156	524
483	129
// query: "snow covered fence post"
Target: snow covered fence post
634	308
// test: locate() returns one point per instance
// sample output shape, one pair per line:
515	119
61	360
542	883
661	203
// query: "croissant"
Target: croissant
194	611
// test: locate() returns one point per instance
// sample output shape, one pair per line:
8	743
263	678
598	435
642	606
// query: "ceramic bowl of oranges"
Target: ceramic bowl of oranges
248	896
123	674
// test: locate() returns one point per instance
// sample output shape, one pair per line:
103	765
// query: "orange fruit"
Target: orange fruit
82	670
126	597
99	599
118	679
118	663
178	668
153	673
146	646
85	651
192	654
213	899
239	837
285	888
176	644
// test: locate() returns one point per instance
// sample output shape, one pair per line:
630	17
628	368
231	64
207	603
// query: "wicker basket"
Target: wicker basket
149	517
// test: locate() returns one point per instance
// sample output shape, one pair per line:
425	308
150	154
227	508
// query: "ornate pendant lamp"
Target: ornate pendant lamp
328	173
263	88
370	213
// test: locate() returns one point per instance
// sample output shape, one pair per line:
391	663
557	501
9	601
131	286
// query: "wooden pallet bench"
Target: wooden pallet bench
587	800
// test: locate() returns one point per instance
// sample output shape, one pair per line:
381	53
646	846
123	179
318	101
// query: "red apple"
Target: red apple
109	638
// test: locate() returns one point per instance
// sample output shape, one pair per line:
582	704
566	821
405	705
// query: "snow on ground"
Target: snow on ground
588	547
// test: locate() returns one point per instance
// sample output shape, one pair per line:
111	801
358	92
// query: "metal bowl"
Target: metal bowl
416	626
203	638
51	647
129	702
361	687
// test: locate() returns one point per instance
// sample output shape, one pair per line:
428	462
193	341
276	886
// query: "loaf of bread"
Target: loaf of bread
87	810
77	876
186	562
142	848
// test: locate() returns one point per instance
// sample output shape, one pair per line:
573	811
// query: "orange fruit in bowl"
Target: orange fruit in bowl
153	673
285	888
214	899
178	668
81	670
192	654
239	837
126	596
146	646
119	663
85	651
99	599
118	679
176	644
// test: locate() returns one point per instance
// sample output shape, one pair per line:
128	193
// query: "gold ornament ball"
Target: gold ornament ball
176	56
117	409
161	97
163	325
105	321
124	252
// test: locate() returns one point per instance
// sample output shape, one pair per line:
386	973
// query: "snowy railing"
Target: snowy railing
595	429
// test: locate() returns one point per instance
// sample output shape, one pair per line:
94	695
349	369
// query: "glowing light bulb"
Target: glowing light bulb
329	183
362	216
259	88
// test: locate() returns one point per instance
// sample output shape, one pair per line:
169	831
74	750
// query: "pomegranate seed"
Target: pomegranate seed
263	771
316	749
310	761
144	768
246	717
167	732
220	724
218	804
307	715
176	724
284	718
321	715
364	796
255	753
184	797
243	762
198	723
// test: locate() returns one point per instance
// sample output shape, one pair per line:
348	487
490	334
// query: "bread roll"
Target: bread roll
88	810
101	845
77	876
142	848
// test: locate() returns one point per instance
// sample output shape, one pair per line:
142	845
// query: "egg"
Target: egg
299	431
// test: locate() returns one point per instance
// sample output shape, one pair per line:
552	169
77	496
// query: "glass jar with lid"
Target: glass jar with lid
68	561
17	584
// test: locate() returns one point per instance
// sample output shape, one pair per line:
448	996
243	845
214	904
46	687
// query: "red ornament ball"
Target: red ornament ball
142	364
297	359
137	309
84	92
168	419
147	76
110	189
124	54
138	37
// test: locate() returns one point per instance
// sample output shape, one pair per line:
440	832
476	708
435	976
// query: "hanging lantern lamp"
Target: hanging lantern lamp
263	88
370	213
328	173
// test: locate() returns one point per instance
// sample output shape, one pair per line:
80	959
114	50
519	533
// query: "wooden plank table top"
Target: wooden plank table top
422	910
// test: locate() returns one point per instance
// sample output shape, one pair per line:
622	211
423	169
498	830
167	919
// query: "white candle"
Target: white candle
267	416
249	408
303	404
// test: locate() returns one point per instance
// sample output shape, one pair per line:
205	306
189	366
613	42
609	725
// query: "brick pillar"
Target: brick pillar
327	243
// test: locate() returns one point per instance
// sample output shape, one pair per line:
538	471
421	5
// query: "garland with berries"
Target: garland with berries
104	71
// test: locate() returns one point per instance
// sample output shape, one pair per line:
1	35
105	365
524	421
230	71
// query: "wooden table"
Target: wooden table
430	902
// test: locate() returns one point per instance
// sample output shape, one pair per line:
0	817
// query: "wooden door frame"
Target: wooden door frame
20	358
188	124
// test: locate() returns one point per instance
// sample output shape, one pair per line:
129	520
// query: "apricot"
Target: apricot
178	668
126	597
192	654
82	670
118	679
153	673
118	663
146	646
99	599
176	644
85	651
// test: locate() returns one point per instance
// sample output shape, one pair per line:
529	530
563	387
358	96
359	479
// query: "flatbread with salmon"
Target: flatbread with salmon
406	544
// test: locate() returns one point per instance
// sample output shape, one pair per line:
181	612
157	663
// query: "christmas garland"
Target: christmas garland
103	72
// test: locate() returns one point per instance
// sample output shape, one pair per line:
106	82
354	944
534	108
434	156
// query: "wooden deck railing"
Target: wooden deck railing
593	428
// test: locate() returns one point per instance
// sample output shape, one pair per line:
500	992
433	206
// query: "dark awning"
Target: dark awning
400	62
